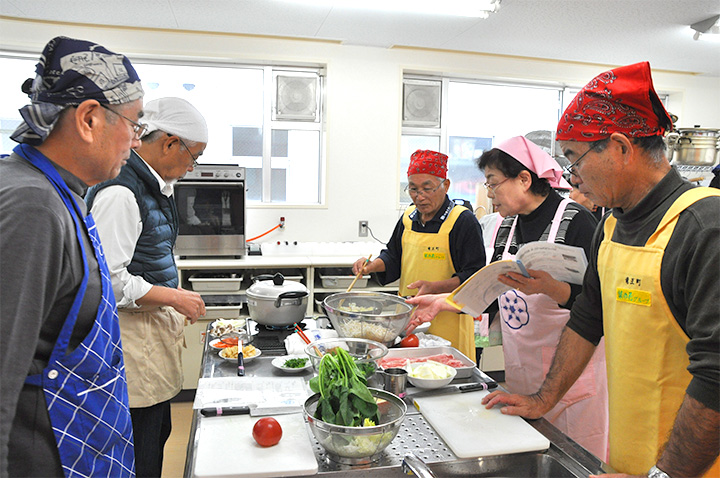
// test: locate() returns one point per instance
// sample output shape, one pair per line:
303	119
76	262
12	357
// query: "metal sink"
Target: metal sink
522	465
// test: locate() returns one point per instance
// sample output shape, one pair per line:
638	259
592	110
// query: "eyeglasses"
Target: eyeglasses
194	158
424	191
571	169
493	187
138	128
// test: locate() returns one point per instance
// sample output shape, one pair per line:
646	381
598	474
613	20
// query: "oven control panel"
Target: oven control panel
217	172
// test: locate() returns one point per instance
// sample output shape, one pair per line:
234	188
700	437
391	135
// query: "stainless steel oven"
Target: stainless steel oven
211	207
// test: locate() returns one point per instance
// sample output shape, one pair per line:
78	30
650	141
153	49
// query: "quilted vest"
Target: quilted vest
153	258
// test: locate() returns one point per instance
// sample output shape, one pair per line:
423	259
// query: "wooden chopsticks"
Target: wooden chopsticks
359	274
306	339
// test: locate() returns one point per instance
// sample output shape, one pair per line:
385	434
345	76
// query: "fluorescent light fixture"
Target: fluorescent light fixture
708	26
459	8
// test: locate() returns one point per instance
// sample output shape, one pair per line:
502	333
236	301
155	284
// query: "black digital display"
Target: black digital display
204	174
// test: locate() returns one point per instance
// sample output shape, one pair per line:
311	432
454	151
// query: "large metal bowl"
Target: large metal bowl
358	445
368	315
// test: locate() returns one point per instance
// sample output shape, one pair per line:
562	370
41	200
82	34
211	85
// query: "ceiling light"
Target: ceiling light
461	8
709	25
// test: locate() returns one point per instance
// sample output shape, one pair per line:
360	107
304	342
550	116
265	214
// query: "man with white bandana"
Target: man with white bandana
138	223
63	395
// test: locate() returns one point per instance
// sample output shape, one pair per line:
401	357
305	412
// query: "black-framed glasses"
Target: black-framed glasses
138	128
412	191
194	158
493	187
571	169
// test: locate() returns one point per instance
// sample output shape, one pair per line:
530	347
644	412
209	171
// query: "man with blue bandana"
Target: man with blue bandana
63	401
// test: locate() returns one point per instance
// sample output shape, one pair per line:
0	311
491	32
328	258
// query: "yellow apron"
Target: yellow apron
645	346
427	257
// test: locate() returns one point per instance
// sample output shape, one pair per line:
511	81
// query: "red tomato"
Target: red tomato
267	431
410	341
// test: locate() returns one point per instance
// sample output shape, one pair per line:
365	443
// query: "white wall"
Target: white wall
364	97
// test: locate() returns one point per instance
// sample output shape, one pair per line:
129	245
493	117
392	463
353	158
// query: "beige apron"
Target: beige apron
427	257
152	341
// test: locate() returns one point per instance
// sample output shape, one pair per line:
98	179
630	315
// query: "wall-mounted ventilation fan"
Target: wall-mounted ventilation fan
421	103
296	98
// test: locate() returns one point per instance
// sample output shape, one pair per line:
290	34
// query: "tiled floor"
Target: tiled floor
176	446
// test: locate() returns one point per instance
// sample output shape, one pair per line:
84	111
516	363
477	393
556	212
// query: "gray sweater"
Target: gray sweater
41	270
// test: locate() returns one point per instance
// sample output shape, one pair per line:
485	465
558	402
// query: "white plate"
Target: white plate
280	361
213	343
246	359
222	327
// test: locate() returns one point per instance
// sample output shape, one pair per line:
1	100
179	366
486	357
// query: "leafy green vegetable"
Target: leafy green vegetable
295	363
344	396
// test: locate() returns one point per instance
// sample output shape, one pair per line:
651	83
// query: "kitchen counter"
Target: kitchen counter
415	436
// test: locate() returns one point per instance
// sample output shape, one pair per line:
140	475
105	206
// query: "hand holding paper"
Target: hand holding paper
565	264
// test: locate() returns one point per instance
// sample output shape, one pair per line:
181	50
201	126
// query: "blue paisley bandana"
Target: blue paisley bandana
69	72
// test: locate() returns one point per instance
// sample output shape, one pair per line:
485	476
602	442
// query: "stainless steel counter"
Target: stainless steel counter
564	458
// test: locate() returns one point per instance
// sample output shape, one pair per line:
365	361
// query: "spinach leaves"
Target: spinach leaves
344	396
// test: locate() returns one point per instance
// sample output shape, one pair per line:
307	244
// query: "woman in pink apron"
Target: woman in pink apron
520	177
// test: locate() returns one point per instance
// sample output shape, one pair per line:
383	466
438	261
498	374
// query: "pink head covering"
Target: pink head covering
535	159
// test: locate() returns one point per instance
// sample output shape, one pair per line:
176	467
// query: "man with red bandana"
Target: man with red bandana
434	248
650	288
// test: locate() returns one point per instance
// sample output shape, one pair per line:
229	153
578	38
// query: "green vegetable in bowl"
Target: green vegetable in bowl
295	363
344	396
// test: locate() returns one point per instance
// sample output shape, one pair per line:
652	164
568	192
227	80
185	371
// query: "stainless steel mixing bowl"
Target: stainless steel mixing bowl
358	445
368	315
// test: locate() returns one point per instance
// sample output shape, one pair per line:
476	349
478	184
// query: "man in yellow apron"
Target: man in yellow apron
435	246
650	289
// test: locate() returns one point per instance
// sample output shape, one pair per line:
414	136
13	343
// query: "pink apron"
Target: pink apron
531	328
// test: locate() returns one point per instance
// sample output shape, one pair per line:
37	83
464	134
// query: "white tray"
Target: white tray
222	312
413	352
216	284
344	281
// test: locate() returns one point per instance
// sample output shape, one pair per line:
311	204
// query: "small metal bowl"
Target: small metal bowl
362	350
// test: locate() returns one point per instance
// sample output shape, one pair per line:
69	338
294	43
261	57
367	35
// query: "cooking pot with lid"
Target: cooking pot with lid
694	146
276	302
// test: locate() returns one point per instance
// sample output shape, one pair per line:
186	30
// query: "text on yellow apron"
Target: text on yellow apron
427	257
645	346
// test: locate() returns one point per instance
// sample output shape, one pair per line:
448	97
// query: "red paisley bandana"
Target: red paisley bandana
428	162
622	100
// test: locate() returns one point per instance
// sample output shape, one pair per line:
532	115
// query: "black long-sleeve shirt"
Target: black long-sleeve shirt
467	251
689	278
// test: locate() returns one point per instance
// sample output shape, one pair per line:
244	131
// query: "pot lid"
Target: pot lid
271	289
698	130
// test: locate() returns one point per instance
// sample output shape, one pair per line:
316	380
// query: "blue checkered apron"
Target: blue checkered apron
85	390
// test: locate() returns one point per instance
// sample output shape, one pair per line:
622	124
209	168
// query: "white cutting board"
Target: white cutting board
226	448
470	430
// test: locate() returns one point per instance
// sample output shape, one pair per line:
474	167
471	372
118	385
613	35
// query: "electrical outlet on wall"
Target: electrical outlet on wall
363	229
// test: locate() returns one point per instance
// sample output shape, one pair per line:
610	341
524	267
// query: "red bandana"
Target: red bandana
622	100
428	162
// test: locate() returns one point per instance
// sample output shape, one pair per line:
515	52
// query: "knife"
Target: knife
252	410
471	387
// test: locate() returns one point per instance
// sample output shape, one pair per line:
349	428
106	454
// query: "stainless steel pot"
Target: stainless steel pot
276	302
694	146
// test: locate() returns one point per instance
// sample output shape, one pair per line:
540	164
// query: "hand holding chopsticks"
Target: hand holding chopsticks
359	274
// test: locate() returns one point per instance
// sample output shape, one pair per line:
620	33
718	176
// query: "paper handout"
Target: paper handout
564	263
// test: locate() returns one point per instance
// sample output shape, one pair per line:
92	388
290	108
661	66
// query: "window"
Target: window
475	116
243	106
